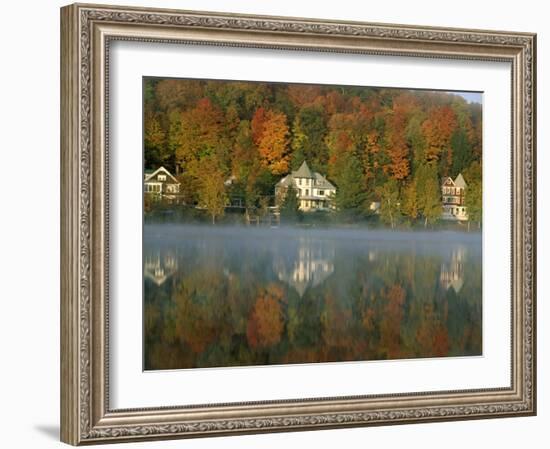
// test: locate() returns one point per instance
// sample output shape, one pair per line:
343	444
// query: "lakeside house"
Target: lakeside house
160	184
313	190
453	194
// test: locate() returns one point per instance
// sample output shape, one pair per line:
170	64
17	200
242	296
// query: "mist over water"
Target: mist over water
235	296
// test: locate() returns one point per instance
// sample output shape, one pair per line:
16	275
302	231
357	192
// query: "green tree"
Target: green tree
298	157
174	136
212	194
350	193
410	200
289	207
154	140
416	140
462	152
199	133
390	205
246	164
429	193
473	195
308	133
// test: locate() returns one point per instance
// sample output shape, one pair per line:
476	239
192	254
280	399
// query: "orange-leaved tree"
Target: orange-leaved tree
270	133
438	129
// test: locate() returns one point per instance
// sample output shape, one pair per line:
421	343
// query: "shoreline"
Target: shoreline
171	230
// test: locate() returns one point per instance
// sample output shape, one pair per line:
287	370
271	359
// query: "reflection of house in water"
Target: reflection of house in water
309	266
452	272
159	267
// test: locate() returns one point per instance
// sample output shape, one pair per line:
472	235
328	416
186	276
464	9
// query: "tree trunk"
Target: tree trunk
213	219
468	225
425	222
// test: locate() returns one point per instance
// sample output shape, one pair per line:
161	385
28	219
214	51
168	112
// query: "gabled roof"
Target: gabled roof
323	182
448	181
459	181
286	181
156	172
303	171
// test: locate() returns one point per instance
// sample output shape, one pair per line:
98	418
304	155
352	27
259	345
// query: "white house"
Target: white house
313	190
160	184
453	194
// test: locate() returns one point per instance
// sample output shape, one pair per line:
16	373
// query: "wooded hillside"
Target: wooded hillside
375	144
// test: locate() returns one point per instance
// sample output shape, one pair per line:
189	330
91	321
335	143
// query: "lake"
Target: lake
241	296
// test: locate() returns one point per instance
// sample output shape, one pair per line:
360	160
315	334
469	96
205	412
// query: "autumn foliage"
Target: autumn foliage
258	132
270	133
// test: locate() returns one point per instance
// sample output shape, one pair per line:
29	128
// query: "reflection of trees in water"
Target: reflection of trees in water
305	266
310	300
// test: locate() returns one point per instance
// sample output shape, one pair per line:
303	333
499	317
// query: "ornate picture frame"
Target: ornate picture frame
87	31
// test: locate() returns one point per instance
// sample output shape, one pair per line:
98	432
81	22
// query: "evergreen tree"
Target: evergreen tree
289	208
154	138
462	152
246	165
298	157
308	133
473	195
350	193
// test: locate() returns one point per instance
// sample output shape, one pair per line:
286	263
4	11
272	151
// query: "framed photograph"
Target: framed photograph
279	224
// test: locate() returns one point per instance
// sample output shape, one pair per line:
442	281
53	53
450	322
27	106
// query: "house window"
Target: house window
162	177
321	192
307	192
300	181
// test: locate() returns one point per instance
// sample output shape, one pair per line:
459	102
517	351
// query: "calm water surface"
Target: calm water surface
216	296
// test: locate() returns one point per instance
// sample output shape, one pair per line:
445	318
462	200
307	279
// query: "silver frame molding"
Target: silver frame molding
86	33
